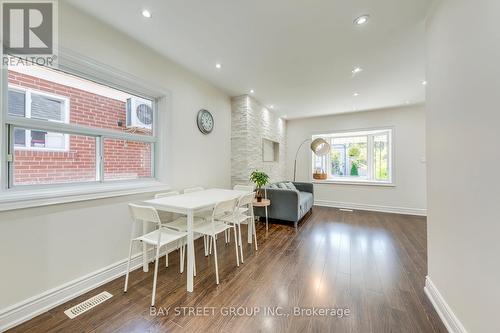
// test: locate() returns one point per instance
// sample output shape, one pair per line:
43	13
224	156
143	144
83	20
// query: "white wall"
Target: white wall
42	248
463	137
409	139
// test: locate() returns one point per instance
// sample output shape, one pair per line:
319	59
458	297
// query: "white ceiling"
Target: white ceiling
296	54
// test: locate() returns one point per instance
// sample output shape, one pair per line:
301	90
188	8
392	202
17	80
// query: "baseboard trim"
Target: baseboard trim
34	306
453	325
374	208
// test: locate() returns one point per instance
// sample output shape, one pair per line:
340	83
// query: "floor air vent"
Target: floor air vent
87	305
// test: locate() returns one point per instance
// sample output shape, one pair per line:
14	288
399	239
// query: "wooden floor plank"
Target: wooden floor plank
372	264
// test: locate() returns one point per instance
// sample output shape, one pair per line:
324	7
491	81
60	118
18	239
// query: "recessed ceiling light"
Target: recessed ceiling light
218	65
363	19
271	106
355	94
251	91
146	13
356	70
424	83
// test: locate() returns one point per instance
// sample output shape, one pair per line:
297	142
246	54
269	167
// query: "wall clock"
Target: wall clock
205	121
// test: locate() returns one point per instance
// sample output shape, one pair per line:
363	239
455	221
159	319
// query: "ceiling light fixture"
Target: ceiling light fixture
355	94
424	83
251	91
218	65
356	70
363	19
271	106
146	13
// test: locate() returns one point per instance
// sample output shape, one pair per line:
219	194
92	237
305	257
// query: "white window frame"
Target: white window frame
93	71
370	179
27	114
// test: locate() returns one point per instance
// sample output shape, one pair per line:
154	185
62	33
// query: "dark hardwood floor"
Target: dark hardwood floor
372	264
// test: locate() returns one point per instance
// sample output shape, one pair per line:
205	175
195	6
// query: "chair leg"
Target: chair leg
225	236
241	244
205	245
210	244
180	245
215	257
166	257
128	266
184	256
155	276
236	245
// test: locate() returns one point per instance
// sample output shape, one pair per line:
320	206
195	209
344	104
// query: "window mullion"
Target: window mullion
99	158
76	129
370	157
152	166
10	156
329	162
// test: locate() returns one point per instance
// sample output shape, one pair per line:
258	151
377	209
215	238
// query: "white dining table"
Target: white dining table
189	204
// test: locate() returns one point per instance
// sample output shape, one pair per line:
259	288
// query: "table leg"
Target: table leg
190	252
145	261
267	222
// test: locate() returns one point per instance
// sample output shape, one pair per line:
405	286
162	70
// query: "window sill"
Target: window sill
353	182
18	199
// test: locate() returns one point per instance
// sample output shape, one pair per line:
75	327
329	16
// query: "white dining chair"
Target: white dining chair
216	226
247	217
178	223
193	189
158	238
207	215
246	188
166	194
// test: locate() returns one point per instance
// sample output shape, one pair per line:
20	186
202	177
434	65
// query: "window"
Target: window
357	156
65	129
27	103
124	159
78	165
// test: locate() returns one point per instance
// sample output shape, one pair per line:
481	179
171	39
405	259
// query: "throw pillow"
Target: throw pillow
290	186
274	186
283	186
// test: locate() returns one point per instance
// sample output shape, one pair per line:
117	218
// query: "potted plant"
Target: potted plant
260	179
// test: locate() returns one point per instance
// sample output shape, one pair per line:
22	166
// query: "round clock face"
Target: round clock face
205	121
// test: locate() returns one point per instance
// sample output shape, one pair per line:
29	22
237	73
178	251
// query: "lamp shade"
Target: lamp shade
320	147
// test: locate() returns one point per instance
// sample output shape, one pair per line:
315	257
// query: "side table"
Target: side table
264	203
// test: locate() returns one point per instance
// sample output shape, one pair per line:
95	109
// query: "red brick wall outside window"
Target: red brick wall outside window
122	159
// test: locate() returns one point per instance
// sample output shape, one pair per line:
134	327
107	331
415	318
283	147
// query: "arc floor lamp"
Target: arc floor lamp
319	147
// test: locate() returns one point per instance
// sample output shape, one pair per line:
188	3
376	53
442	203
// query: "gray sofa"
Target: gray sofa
286	204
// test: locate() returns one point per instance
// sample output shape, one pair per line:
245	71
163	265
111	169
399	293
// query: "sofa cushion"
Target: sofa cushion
305	202
273	185
290	186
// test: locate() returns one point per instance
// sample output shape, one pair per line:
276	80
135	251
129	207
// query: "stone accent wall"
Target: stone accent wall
250	123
